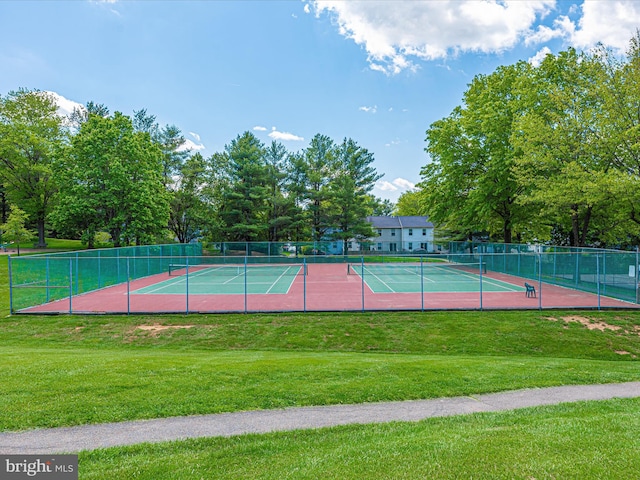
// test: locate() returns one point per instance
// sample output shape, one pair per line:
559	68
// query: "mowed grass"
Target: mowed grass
588	440
72	370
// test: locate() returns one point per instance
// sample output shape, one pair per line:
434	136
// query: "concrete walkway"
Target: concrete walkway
89	437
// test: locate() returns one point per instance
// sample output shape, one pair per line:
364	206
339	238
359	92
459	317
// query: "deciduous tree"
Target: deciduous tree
31	138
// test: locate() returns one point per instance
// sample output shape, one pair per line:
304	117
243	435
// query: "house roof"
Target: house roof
400	222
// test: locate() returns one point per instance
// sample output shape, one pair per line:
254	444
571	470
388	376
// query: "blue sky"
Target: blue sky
379	72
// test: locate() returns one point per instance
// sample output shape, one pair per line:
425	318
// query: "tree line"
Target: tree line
129	178
547	153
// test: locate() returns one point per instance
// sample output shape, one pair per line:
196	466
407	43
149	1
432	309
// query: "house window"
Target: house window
423	246
379	232
410	245
393	247
424	232
411	232
393	232
379	246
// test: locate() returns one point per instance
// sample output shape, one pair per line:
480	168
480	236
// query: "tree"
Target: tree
409	204
190	212
31	138
566	162
470	181
349	192
319	170
296	192
112	180
170	140
380	207
14	229
280	205
245	208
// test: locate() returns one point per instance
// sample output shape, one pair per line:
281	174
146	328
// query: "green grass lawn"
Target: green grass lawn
588	440
71	370
57	244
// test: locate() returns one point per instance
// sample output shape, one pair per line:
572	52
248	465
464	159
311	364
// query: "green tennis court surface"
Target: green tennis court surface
226	280
429	278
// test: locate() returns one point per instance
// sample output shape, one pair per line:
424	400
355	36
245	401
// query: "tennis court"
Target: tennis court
225	280
429	278
179	279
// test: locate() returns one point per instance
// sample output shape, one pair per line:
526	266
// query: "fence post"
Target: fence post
480	280
47	278
11	286
128	289
70	284
187	285
422	282
598	278
77	273
637	274
245	284
539	256
304	284
362	279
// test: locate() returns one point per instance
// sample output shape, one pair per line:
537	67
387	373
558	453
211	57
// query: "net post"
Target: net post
304	285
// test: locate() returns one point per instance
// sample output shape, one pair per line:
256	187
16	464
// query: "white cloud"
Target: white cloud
394	34
396	185
386	186
65	106
611	23
258	128
306	8
284	136
537	59
544	34
189	145
404	184
373	109
195	135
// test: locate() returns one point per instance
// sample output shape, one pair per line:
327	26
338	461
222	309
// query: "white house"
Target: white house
402	234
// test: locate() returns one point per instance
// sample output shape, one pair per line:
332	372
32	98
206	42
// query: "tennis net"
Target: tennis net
424	269
236	270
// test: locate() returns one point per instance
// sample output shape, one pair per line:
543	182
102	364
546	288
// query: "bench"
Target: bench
530	290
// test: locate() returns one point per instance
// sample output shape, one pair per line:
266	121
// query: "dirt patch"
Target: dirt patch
158	328
155	328
590	324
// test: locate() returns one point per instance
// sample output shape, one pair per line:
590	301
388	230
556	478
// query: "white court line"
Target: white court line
380	280
170	283
277	280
